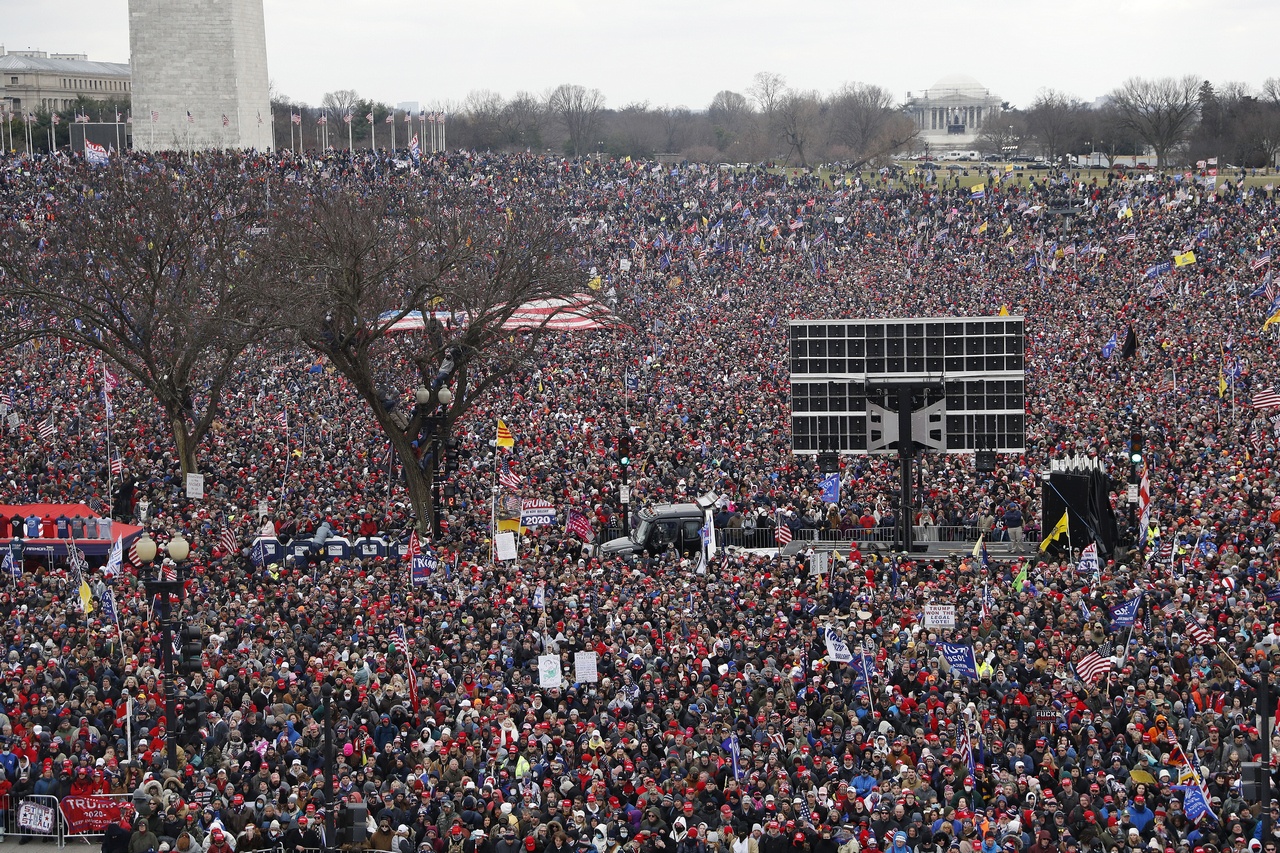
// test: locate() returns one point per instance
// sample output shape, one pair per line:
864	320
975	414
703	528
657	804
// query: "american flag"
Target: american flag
964	745
117	466
7	398
190	118
1095	663
228	541
1261	261
296	118
390	118
283	419
169	571
415	547
322	120
134	559
1266	399
1258	440
507	477
57	119
1127	238
95	503
155	115
369	117
782	535
1198	634
401	644
988	602
347	118
226	122
47	429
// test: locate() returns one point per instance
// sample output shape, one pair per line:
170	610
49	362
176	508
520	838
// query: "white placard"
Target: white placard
35	817
195	486
820	564
549	671
939	615
584	668
624	492
625	265
504	545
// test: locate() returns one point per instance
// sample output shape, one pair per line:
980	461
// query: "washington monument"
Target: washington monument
199	75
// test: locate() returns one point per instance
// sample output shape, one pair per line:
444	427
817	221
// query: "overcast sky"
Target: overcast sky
681	52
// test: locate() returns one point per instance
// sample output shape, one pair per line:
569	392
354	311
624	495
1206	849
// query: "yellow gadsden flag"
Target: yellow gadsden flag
1059	529
505	438
1185	259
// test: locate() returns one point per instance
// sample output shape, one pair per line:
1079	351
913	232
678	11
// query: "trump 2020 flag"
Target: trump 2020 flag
1088	564
108	601
837	649
830	488
1194	804
10	566
1124	614
112	568
960	658
423	565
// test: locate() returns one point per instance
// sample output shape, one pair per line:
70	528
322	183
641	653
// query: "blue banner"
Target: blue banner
1123	615
423	567
1194	804
960	658
830	488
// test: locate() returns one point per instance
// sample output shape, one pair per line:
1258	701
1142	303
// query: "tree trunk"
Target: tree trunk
418	481
183	443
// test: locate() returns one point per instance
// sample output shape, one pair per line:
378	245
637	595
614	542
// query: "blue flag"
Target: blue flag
1125	614
1159	269
1194	804
1273	594
11	566
960	658
108	602
422	567
830	488
731	744
259	554
1110	346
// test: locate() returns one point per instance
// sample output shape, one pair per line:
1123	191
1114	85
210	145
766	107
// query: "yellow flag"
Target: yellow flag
1126	213
704	222
1008	167
982	228
1222	384
595	283
1274	318
1059	529
505	438
762	248
86	596
1184	259
1004	311
1008	229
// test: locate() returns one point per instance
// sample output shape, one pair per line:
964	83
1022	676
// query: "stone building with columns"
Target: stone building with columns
952	112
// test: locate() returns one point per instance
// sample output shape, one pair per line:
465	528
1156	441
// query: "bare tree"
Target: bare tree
865	120
1271	90
1054	121
768	89
797	117
1159	112
483	110
523	119
161	273
578	109
353	262
677	127
340	102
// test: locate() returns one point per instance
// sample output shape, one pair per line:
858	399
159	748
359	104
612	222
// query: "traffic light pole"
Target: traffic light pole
159	591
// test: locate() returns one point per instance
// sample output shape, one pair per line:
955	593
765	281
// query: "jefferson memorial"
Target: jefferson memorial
952	112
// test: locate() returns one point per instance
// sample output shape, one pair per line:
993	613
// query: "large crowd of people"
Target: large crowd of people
717	720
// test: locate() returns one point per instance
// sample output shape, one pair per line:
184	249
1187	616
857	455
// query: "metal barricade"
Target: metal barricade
41	810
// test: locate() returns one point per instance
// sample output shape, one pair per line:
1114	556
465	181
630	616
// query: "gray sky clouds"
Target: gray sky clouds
681	52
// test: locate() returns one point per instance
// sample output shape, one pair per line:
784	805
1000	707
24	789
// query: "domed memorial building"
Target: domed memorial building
953	111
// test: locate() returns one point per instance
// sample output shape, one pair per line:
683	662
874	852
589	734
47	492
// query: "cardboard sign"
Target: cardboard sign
939	615
35	817
584	668
195	486
504	545
549	674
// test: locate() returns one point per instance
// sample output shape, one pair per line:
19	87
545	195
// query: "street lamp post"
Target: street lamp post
326	693
1266	713
434	420
162	591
